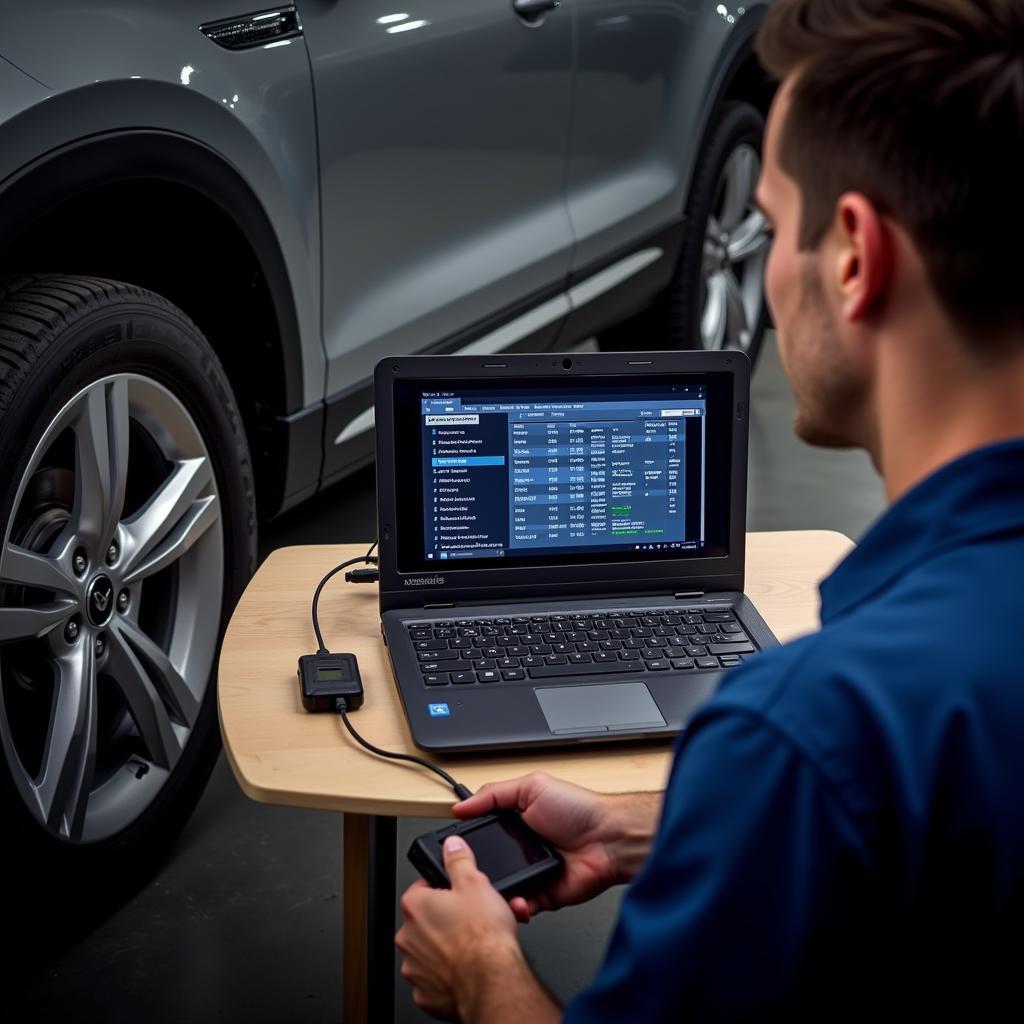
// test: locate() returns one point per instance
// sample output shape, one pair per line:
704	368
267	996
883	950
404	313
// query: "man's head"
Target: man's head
894	158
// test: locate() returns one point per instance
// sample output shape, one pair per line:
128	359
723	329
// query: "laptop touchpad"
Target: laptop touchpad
615	707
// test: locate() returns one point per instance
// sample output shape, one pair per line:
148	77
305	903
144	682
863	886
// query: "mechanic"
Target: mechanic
843	830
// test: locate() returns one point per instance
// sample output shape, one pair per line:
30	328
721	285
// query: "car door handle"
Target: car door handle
532	8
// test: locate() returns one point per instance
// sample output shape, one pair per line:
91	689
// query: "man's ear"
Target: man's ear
864	263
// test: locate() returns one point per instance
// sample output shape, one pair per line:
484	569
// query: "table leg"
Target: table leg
368	921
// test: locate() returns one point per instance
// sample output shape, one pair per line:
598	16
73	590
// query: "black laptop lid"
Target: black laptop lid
526	476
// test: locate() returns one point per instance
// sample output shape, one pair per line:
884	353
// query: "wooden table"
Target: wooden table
282	755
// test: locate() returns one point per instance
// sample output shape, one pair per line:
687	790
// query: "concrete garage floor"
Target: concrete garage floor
242	922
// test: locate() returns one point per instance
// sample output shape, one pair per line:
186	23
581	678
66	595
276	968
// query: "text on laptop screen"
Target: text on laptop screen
555	471
516	474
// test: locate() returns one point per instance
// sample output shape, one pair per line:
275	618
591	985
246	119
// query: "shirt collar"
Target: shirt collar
976	495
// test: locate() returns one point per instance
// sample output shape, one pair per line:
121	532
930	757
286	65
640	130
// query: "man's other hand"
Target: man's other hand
603	839
455	938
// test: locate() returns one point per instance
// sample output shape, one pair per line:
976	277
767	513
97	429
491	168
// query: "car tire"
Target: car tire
716	297
128	526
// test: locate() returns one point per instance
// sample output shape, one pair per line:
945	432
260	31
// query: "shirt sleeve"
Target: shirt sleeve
756	873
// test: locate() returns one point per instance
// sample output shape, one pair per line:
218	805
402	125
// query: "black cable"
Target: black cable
461	791
368	557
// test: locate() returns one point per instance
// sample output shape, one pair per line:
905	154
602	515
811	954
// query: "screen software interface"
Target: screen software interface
521	474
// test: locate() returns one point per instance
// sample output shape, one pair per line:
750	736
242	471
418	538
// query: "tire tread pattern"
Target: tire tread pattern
683	316
37	311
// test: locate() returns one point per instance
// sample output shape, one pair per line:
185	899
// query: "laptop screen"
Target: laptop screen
552	471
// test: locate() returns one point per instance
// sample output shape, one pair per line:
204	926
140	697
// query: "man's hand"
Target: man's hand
460	949
603	839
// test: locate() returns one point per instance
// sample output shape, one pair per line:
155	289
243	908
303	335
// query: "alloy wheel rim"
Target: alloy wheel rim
735	250
110	604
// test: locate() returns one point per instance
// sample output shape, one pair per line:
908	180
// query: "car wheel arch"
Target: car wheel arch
51	216
739	77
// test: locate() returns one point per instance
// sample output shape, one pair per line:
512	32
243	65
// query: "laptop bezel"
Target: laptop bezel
636	577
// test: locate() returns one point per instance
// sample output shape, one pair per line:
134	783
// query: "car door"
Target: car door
443	130
639	86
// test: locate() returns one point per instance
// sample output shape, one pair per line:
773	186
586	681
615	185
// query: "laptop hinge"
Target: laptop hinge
441	604
686	594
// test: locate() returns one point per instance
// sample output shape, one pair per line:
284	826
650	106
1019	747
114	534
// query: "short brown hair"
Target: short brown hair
919	105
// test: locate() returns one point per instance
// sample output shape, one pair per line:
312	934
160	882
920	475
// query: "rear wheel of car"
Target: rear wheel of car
716	298
128	529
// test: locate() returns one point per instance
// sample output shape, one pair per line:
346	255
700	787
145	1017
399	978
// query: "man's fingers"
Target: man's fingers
495	796
520	908
459	862
474	806
411	899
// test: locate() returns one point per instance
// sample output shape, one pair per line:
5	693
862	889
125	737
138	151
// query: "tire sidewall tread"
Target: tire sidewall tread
736	122
89	328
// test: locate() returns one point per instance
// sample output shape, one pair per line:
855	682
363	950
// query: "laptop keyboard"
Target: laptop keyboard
579	647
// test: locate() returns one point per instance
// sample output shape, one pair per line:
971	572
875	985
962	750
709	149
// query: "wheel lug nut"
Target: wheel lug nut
101	645
79	562
122	601
71	631
112	553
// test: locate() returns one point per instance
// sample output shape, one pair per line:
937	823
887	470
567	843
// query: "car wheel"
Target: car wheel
128	522
716	298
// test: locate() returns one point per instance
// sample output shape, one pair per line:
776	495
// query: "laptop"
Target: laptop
562	543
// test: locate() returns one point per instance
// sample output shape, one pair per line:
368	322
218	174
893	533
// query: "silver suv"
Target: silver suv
214	222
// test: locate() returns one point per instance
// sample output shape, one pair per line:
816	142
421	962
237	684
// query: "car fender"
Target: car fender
255	117
724	45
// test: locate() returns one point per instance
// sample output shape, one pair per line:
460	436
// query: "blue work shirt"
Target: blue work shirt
843	830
